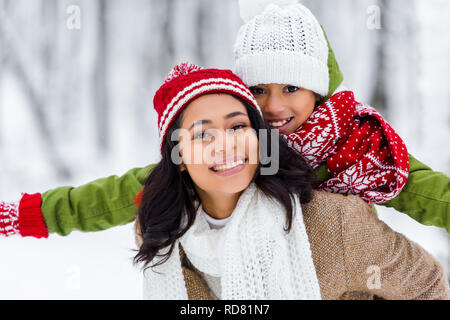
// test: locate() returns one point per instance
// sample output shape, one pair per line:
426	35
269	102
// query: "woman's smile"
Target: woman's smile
230	168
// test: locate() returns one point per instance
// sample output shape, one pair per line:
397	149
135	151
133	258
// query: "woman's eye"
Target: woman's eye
291	89
238	127
202	135
256	90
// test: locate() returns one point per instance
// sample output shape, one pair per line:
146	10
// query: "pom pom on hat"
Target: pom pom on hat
251	8
181	70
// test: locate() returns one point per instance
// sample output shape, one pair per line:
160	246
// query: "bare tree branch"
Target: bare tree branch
100	79
35	99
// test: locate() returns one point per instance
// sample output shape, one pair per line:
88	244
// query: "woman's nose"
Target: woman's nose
225	144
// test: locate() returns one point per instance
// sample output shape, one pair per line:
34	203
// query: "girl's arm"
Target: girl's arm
95	206
108	202
426	196
385	263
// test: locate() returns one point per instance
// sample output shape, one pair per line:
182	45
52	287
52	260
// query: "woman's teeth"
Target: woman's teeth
281	123
228	166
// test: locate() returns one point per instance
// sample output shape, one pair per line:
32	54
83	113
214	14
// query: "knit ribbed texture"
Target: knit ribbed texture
253	256
286	45
212	282
31	219
166	281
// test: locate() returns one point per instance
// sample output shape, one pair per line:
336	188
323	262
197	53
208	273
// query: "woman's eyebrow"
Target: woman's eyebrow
234	114
228	116
199	122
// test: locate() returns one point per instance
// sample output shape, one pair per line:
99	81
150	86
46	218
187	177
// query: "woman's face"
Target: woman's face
285	107
218	145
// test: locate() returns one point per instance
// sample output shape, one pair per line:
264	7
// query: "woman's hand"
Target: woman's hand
9	218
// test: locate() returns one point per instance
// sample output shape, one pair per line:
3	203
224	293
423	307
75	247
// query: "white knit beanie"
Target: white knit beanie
281	42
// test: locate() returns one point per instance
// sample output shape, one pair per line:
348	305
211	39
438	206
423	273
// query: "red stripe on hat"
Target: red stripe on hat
212	82
179	107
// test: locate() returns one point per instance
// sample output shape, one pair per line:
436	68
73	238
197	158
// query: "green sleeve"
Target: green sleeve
95	206
320	174
426	196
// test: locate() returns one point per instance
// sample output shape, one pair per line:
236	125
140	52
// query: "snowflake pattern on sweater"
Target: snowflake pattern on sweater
364	155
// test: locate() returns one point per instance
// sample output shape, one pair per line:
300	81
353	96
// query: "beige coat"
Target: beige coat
356	255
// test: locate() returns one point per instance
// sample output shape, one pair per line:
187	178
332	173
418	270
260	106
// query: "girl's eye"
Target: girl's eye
291	89
256	90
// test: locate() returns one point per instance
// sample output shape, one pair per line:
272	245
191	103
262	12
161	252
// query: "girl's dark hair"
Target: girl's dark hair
170	193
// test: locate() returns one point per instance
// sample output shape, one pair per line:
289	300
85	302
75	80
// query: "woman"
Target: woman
214	227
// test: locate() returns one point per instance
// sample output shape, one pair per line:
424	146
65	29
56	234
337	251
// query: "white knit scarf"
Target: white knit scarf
252	254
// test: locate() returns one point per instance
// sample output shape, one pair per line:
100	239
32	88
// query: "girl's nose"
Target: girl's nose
273	106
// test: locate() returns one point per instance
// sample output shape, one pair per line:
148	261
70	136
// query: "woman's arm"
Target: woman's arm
385	263
95	206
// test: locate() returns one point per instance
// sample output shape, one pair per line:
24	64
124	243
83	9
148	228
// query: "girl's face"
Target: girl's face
218	145
285	107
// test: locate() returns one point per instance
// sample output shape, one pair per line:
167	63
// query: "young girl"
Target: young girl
282	53
220	229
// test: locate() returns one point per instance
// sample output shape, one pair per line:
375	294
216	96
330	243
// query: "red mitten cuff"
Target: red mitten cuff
31	219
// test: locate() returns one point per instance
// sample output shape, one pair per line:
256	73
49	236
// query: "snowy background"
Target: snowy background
76	105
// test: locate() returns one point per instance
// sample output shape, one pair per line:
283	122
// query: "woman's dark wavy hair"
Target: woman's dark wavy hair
169	193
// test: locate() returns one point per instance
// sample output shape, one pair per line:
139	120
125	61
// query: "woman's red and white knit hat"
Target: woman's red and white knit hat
187	82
